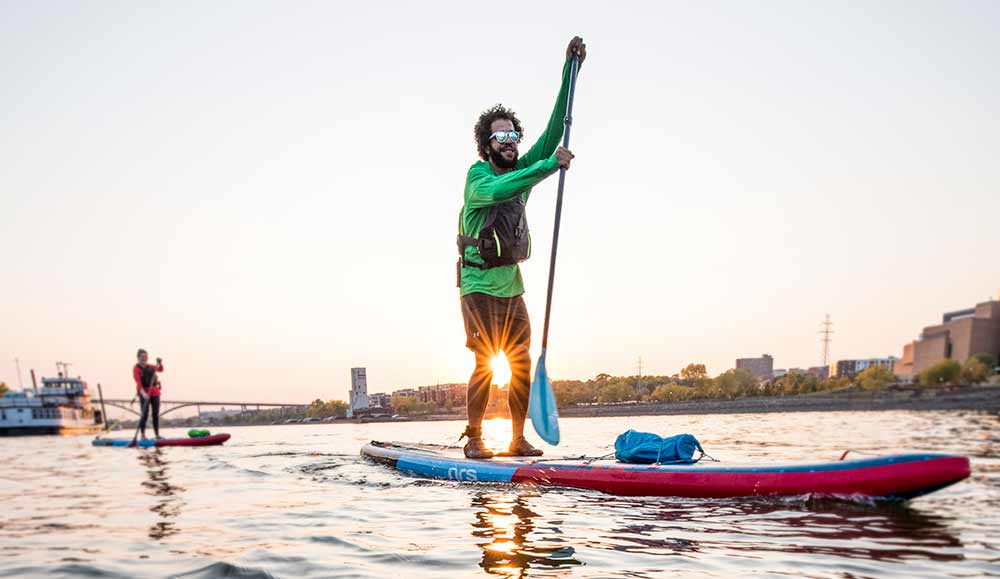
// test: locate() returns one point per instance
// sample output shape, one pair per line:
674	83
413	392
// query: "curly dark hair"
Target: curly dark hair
482	130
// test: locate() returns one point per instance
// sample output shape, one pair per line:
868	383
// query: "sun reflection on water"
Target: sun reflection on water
497	433
506	522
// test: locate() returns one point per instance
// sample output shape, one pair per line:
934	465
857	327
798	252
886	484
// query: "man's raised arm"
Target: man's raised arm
550	137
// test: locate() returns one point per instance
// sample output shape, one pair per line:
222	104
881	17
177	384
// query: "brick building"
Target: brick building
758	367
441	394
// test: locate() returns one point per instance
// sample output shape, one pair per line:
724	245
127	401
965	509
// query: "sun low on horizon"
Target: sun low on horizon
501	369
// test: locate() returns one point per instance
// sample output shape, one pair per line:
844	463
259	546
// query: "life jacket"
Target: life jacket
504	238
148	375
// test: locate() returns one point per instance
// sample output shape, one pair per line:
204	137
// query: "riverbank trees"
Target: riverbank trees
977	369
693	383
320	409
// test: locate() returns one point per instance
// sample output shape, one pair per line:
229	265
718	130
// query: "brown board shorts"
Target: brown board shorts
493	324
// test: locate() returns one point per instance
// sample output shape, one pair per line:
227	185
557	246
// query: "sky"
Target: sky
266	194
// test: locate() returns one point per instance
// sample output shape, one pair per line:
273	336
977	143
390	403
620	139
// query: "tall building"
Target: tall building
855	367
960	334
359	392
758	367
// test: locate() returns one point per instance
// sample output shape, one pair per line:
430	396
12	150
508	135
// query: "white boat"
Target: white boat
60	406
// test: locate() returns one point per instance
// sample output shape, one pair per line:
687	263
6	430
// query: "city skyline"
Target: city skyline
388	388
267	215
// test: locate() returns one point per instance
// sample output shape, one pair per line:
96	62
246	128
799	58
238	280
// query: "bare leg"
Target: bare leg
479	390
520	388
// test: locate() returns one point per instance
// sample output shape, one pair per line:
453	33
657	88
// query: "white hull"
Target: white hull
60	406
63	429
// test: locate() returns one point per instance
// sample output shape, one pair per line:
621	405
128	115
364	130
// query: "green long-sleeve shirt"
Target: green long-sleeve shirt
484	188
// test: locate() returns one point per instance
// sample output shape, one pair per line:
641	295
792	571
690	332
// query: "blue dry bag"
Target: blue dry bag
648	448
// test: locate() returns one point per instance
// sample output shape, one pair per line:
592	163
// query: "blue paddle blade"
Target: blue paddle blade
542	405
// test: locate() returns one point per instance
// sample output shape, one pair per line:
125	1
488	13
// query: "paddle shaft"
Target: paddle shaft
142	404
567	124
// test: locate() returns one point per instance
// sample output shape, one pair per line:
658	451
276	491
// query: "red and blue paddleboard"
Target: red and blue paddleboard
211	440
895	478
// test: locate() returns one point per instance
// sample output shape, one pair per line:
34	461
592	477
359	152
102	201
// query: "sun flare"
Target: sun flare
501	369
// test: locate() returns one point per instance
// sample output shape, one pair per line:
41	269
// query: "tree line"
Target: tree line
694	383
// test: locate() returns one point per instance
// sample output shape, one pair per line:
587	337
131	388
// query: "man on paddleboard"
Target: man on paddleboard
492	239
147	386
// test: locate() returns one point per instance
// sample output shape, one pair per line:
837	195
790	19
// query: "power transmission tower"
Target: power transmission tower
826	332
639	381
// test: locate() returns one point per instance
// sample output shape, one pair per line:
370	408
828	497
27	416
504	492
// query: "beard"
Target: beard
500	161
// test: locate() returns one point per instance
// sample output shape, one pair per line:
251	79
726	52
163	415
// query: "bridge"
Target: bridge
132	405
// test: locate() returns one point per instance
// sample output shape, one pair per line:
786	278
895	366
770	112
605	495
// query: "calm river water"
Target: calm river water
298	501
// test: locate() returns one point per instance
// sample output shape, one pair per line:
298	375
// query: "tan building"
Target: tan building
904	366
959	335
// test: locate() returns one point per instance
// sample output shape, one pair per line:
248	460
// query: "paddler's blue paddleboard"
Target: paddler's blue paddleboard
896	477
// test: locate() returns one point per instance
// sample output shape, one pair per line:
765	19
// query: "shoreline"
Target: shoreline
974	398
978	398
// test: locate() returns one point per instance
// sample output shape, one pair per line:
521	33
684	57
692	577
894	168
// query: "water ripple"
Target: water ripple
299	501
